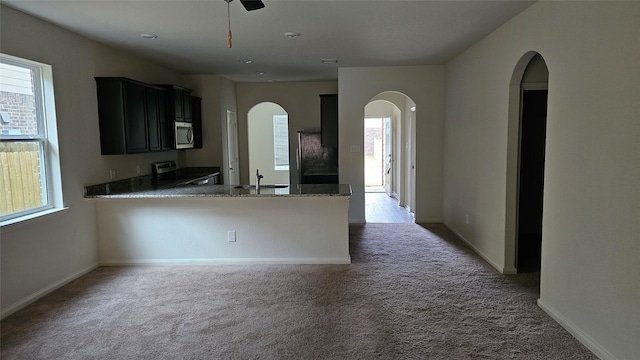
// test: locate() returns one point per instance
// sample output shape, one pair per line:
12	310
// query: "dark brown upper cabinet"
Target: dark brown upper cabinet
153	118
166	124
196	115
130	115
179	103
329	120
136	117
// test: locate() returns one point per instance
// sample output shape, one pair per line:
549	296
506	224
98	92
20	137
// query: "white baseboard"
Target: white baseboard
426	221
219	261
587	341
477	251
39	294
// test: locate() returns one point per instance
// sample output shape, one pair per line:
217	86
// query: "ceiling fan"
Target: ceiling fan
250	5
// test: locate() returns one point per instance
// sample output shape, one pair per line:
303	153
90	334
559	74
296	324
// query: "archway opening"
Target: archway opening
533	127
389	158
525	166
268	141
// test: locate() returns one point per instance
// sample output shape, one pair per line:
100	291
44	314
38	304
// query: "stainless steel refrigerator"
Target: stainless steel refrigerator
316	164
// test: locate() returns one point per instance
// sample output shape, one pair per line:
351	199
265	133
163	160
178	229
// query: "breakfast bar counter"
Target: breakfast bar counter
174	222
207	190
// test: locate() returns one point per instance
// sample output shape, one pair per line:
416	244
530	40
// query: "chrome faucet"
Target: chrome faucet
258	177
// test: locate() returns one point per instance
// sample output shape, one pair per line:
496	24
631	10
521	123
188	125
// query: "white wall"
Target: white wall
590	278
38	255
301	100
261	144
378	108
425	86
304	230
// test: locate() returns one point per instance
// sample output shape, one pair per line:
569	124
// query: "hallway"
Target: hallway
381	208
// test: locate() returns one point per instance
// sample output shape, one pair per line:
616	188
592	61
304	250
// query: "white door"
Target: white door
412	170
388	161
232	148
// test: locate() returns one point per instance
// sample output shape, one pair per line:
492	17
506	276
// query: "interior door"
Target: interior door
388	156
232	149
411	193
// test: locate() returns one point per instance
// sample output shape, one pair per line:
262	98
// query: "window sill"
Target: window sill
19	222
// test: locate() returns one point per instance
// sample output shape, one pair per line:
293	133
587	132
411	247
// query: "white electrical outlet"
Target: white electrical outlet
112	174
138	169
232	236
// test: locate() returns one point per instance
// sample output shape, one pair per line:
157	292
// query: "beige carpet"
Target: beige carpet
411	293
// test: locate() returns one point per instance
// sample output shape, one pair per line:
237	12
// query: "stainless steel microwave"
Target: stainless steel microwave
184	135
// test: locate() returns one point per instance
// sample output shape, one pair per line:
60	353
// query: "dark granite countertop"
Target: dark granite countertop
207	190
145	187
149	183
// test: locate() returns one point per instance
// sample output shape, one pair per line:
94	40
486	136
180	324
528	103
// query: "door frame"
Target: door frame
233	161
388	153
513	154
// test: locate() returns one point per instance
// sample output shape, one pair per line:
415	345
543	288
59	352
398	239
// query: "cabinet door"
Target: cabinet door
329	120
166	125
134	118
196	116
111	116
153	119
186	109
178	102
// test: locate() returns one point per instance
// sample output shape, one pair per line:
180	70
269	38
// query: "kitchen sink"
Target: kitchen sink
248	187
199	181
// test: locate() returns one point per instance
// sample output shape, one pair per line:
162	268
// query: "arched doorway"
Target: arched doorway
389	147
527	164
268	142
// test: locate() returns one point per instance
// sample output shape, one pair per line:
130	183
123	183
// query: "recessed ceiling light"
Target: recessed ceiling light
291	34
149	36
329	61
245	61
260	73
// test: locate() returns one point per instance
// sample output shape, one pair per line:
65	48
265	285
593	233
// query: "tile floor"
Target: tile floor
381	208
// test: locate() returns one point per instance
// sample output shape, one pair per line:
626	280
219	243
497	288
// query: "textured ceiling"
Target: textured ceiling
192	35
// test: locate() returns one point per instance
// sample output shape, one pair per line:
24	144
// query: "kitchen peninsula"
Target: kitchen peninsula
180	223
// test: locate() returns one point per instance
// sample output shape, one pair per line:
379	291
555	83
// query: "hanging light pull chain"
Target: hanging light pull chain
229	22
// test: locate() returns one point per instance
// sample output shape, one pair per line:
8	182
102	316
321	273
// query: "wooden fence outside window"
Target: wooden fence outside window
20	177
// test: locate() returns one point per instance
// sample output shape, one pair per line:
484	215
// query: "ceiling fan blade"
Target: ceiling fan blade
252	4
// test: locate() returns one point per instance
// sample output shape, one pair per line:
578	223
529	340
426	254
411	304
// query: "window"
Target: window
29	162
281	142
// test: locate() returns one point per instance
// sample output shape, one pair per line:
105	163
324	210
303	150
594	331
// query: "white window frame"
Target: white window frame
47	140
278	152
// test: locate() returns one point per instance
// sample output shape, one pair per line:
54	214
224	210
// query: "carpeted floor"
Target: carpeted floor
411	292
